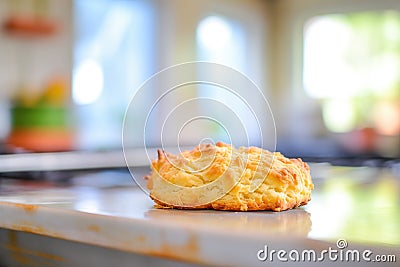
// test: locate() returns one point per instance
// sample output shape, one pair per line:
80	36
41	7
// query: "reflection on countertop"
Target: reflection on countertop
296	223
360	204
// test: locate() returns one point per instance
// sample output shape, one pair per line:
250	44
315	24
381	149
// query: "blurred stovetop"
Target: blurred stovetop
61	166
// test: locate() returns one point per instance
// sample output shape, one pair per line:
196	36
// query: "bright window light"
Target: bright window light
214	32
351	65
87	82
338	115
326	74
224	40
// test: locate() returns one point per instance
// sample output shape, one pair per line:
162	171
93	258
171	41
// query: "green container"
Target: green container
39	117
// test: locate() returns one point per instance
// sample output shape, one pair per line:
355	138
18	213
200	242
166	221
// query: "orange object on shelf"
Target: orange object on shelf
29	26
42	140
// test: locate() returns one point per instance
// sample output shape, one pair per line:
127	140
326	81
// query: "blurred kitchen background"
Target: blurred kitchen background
330	69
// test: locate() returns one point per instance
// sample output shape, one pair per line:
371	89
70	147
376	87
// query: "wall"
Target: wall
31	62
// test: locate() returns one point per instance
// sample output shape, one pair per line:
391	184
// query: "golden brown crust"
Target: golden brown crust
222	177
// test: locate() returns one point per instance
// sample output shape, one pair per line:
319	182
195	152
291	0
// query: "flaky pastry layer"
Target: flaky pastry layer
222	177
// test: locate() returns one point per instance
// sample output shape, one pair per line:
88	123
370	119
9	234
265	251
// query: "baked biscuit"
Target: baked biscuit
222	177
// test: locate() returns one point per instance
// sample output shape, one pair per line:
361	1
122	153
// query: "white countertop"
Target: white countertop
359	205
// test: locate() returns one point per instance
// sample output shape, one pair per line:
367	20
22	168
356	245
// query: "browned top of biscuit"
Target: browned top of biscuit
229	178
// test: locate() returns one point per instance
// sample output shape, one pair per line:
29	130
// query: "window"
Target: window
221	40
351	65
225	40
120	44
113	55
